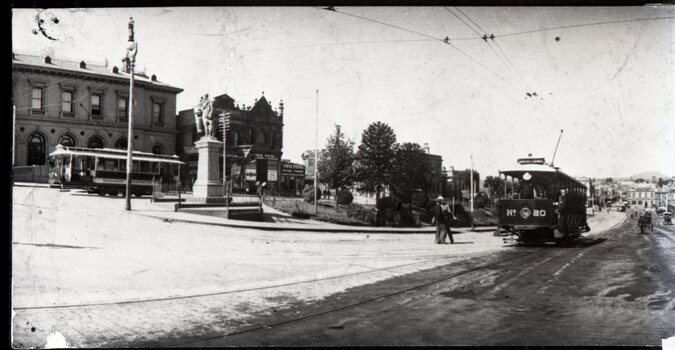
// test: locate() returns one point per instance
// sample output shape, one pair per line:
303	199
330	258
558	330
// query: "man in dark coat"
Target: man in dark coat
440	219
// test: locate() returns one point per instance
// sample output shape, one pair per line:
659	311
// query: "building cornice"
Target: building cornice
92	76
89	124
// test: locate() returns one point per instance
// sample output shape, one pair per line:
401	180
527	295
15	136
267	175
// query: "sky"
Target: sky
609	86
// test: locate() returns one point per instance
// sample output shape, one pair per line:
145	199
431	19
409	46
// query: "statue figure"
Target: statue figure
204	119
210	128
198	117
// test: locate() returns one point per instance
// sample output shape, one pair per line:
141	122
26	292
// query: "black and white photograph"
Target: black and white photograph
321	176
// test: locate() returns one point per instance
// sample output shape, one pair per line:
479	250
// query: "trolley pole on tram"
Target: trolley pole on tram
316	155
130	58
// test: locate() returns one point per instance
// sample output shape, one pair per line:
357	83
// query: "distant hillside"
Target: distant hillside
648	175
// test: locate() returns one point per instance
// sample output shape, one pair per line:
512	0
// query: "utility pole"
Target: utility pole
316	154
13	137
471	192
132	49
337	160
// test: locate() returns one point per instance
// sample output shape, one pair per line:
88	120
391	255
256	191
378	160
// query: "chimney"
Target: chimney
153	78
48	60
83	65
426	147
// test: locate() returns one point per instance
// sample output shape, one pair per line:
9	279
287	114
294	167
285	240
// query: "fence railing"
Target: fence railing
31	173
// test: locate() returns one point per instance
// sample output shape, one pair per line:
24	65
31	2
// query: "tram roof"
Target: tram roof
115	154
540	171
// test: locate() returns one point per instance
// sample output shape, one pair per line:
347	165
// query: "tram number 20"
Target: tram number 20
535	212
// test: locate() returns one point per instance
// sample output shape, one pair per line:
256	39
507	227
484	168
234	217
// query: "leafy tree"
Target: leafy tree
609	180
375	156
411	172
661	182
640	180
495	185
335	163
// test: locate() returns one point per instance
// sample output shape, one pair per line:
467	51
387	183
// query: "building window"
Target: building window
157	149
96	106
36	149
158	112
250	136
122	108
261	138
67	140
37	100
67	102
236	138
121	143
95	142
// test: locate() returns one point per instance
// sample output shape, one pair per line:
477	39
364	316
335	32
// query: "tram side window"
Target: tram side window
145	167
155	168
135	167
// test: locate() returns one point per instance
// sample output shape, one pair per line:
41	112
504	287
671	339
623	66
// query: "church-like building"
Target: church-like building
254	141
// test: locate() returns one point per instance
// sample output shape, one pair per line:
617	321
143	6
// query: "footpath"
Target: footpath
275	220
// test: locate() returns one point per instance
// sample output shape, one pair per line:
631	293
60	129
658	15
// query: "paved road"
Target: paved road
615	288
101	276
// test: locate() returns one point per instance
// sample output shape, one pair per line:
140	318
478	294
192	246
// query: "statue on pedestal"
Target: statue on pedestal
204	119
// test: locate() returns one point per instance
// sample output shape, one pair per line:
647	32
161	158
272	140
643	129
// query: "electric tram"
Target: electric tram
540	203
103	171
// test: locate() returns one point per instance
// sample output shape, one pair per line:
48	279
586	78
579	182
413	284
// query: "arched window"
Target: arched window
157	149
67	140
121	143
95	142
261	138
36	149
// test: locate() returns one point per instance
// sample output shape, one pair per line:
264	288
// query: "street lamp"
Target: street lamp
130	58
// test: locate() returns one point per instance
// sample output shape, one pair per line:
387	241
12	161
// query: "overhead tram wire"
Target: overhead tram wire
484	36
509	64
445	41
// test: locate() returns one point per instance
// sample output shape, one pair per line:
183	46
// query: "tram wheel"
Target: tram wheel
112	193
138	194
101	193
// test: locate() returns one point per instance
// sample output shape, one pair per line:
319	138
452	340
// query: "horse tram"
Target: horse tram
103	170
540	204
645	221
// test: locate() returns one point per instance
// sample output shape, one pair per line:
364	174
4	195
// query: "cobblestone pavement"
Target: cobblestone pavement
102	276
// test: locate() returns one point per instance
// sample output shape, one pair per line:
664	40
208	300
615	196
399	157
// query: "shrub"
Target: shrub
420	200
344	197
481	200
308	193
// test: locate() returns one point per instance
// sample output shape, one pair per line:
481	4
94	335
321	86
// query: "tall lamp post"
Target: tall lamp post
130	58
316	154
471	192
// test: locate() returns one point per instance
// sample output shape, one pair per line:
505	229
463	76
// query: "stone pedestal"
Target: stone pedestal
208	174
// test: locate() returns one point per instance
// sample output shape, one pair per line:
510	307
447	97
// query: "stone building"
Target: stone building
254	141
86	105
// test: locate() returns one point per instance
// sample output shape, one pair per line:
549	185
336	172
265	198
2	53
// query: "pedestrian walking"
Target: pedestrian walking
449	215
440	219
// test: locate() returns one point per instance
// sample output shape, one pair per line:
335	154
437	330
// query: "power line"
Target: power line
509	64
446	40
466	24
474	23
582	25
484	37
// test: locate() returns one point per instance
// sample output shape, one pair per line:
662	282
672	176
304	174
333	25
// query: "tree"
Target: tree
375	157
609	180
411	171
494	185
661	182
640	180
335	164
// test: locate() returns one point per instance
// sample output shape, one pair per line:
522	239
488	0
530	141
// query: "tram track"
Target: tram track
606	235
362	302
243	290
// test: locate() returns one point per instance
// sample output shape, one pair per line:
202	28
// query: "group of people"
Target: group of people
442	214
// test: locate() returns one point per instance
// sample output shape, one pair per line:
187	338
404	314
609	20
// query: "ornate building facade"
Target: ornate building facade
254	141
86	105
